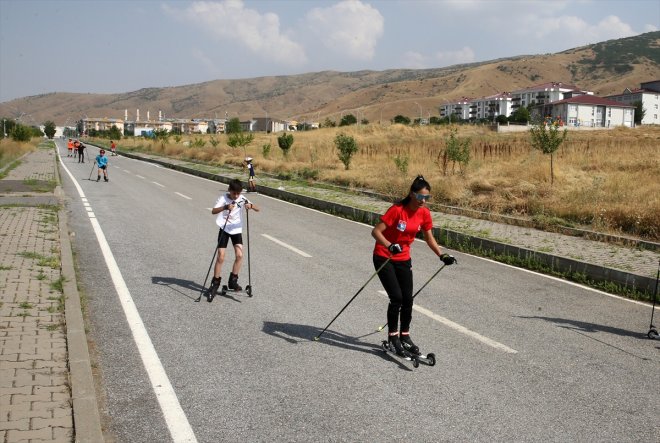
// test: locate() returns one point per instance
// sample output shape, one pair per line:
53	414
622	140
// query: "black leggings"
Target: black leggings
397	279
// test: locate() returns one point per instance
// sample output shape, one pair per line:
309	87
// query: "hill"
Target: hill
604	68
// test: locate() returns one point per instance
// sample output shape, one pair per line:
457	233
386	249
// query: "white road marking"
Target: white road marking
175	417
291	248
462	329
139	176
158	184
126	171
184	196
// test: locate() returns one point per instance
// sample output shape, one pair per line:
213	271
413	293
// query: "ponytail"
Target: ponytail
417	185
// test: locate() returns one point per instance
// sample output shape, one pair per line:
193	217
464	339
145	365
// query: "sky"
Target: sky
113	46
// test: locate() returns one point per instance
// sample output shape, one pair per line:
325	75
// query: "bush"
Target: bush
347	146
285	141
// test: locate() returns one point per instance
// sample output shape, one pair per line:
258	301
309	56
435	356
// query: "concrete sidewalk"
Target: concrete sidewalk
46	386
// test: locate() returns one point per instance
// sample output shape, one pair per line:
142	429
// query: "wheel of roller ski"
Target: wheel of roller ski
653	334
224	290
248	290
415	363
431	359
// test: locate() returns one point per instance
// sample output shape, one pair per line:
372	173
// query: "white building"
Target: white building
649	94
587	111
489	108
459	108
544	93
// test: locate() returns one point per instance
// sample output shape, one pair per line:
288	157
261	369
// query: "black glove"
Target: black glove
448	259
395	248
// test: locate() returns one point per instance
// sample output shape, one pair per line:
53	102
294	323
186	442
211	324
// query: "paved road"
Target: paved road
520	356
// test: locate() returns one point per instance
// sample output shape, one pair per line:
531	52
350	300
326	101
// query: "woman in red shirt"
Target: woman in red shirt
394	234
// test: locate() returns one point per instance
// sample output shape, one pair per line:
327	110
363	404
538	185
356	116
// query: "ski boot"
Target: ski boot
212	291
396	346
408	344
233	283
98	178
413	349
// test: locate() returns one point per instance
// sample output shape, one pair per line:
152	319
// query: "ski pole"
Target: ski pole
90	172
419	290
356	294
215	251
655	294
247	231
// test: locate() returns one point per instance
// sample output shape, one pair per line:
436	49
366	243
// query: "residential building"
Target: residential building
586	111
460	108
101	124
649	94
544	93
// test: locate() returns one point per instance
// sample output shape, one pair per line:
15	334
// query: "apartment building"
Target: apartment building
649	94
587	111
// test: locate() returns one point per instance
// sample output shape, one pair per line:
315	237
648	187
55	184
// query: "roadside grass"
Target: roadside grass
604	180
42	260
11	151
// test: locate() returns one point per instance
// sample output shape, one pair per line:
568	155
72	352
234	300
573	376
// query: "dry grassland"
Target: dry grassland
606	180
11	150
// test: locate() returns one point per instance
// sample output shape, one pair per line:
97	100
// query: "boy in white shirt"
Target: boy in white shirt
229	208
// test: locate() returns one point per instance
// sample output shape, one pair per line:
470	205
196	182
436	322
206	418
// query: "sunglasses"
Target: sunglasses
421	197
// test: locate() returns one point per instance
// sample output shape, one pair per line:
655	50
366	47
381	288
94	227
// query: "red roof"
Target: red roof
591	100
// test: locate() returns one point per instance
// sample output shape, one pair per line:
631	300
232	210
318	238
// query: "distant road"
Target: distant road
521	356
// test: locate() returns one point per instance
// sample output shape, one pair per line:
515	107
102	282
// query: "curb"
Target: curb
86	417
562	265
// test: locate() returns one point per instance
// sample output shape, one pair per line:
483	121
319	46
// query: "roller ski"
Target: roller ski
233	286
394	346
212	291
413	349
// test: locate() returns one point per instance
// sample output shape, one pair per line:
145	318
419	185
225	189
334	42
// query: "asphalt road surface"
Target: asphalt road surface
520	356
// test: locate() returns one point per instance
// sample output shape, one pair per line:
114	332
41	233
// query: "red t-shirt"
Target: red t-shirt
403	225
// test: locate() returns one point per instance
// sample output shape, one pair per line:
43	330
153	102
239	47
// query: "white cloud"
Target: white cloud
350	27
650	28
577	29
231	22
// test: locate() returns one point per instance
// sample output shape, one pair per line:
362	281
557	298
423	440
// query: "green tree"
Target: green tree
502	119
456	151
21	133
640	112
347	146
347	120
115	134
161	134
329	123
233	126
401	119
285	141
520	115
240	140
547	138
49	129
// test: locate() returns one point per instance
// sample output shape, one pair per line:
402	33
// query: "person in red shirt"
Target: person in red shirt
394	234
113	147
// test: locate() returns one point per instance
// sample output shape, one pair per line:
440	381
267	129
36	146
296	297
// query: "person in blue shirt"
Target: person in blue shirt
102	162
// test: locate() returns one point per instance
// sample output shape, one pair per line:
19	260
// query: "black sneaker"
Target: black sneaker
98	179
409	345
396	346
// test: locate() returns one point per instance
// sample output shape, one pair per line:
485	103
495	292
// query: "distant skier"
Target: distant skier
102	163
113	147
251	186
229	208
81	153
394	234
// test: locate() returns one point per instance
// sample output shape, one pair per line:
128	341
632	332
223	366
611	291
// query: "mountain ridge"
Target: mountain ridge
605	68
